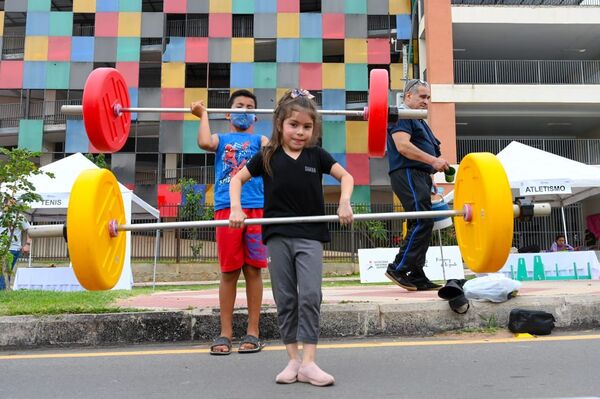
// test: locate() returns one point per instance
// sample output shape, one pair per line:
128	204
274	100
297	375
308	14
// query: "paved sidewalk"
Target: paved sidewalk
366	293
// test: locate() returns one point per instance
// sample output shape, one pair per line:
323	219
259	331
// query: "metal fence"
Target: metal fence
198	245
49	111
581	150
588	3
13	47
543	72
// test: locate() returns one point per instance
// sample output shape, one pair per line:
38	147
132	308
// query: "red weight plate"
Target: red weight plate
378	112
105	88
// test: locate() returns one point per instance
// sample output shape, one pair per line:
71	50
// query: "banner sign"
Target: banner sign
544	187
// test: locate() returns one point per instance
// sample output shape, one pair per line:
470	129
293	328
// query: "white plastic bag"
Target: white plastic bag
494	287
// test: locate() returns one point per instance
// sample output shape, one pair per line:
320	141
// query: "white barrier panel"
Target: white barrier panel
47	279
572	265
374	262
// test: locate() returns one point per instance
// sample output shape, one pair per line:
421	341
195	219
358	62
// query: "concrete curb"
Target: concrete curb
338	320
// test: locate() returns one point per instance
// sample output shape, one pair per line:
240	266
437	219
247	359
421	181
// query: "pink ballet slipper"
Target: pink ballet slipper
289	374
312	374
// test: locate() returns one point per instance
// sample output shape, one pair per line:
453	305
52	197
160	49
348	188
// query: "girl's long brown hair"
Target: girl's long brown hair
286	105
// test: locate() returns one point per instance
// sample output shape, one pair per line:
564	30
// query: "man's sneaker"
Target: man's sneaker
427	286
399	278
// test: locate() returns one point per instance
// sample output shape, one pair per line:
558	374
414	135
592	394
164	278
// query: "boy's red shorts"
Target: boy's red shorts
239	247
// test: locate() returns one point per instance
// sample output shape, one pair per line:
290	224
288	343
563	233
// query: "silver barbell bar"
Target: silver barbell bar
542	209
402	113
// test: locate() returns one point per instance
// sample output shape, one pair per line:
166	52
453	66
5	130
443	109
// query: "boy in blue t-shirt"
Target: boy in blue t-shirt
238	249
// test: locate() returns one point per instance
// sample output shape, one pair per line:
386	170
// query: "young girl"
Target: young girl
292	167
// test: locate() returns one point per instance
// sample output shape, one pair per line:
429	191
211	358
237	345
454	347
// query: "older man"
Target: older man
414	155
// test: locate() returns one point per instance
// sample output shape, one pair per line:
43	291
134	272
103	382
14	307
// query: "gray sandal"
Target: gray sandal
220	341
251	339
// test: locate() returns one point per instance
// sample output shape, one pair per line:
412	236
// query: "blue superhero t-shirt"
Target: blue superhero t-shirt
234	151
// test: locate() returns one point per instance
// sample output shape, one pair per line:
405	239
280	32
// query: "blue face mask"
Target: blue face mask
242	121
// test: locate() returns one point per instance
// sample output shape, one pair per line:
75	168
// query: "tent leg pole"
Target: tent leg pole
156	249
562	212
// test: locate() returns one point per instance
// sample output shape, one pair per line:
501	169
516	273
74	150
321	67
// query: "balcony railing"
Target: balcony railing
13	47
201	174
528	3
49	111
581	150
542	72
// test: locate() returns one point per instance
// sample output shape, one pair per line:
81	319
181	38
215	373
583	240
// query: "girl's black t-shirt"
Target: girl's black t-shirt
294	189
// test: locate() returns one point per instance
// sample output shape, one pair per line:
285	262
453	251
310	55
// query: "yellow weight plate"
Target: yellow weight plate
97	257
486	240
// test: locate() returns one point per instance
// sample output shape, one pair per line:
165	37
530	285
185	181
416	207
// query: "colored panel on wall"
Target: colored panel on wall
197	7
403	27
130	72
175	50
219	6
332	6
196	49
36	48
149	97
378	51
242	7
361	195
38	5
61	24
107	24
311	25
311	50
168	200
38	23
11	74
357	134
242	75
175	6
355	6
265	75
334	26
287	75
30	134
357	77
191	95
265	26
128	49
130	24
334	136
334	76
288	6
288	50
378	7
76	139
355	51
170	136
190	137
219	50
219	25
82	48
288	25
334	99
130	5
171	98
133	99
84	6
242	49
399	7
57	75
397	76
265	6
328	179
105	49
79	74
1	22
173	75
379	171
358	166
152	24
356	26
107	5
34	75
59	48
311	76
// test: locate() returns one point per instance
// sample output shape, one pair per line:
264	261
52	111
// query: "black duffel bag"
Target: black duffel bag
535	322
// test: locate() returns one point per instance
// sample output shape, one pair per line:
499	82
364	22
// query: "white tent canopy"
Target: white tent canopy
55	199
524	164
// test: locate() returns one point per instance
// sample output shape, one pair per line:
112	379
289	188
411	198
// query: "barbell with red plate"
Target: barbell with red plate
95	231
106	110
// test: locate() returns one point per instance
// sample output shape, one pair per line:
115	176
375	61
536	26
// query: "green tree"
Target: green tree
192	209
99	160
16	193
374	231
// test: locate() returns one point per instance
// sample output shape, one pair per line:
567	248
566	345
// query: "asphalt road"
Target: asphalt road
559	366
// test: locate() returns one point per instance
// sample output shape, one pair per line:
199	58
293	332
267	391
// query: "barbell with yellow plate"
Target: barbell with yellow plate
95	229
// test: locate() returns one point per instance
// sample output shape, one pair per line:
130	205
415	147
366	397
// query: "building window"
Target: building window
196	75
265	50
151	49
219	75
310	5
381	25
196	25
152	5
61	5
333	50
243	25
150	74
175	25
83	24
